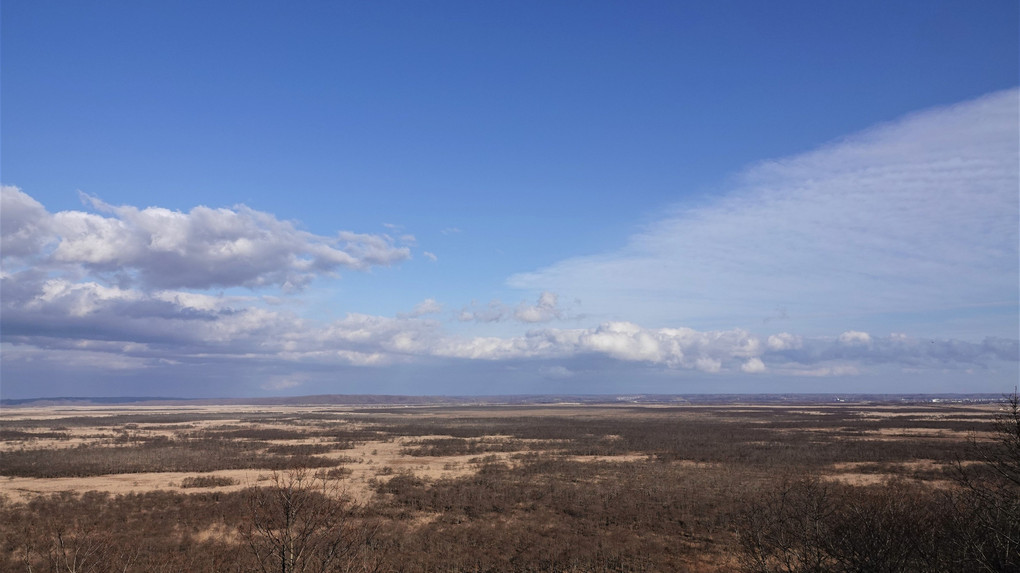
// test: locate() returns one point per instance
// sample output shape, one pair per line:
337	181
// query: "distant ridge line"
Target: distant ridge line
524	399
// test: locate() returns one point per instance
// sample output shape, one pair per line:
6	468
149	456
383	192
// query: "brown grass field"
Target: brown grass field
492	488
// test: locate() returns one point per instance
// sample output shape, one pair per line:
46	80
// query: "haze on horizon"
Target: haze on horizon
472	199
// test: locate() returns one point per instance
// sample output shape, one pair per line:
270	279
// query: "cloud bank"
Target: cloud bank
158	327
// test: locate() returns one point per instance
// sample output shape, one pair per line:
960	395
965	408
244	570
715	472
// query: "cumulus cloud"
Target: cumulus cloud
25	226
753	366
855	338
674	348
917	215
200	249
544	310
783	341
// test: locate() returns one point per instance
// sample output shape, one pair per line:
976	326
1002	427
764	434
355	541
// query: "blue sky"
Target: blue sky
261	198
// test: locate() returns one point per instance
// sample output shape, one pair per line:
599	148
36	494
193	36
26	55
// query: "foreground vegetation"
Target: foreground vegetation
924	487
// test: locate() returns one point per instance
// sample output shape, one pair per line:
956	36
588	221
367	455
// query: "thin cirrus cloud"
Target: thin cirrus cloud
200	249
914	216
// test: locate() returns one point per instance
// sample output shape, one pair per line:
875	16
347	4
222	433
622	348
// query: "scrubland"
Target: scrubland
797	487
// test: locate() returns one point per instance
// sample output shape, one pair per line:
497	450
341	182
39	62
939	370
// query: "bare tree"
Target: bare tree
78	547
809	526
788	530
992	492
303	522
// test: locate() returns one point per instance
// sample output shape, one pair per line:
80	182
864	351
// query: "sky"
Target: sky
236	199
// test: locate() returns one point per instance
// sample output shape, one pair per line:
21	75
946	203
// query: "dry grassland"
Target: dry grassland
557	487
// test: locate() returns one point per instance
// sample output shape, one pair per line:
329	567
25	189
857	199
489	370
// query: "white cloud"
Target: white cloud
545	309
428	306
25	226
81	299
626	341
673	348
202	248
918	215
430	256
783	341
753	366
857	338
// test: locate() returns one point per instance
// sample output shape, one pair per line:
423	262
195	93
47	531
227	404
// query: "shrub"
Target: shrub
207	481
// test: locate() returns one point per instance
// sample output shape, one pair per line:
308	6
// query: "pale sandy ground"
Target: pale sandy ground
851	478
377	460
369	461
847	472
890	434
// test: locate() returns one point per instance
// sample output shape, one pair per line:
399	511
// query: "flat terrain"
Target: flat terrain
450	488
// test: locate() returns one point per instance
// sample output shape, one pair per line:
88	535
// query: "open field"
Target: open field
629	487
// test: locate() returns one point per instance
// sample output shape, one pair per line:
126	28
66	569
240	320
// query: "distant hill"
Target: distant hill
391	400
87	401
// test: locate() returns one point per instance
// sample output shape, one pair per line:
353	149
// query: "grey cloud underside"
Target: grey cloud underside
57	313
200	249
903	350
